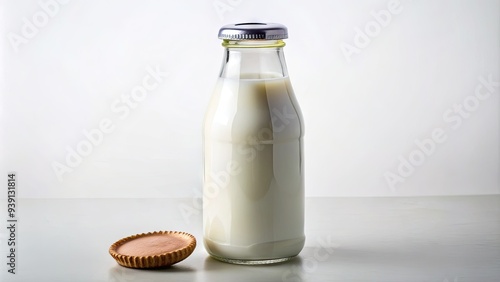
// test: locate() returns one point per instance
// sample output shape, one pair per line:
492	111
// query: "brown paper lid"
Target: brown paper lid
153	249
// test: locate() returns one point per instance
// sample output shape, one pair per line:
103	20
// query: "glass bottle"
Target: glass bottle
253	190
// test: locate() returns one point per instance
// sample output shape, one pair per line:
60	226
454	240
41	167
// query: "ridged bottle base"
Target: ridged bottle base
252	262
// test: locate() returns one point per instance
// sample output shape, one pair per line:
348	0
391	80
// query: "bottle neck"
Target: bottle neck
253	59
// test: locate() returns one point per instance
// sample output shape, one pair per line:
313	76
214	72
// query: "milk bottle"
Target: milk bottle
253	190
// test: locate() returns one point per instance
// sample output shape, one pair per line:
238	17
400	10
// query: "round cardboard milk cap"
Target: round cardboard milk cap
153	249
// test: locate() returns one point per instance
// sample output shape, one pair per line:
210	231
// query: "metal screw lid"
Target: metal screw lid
246	31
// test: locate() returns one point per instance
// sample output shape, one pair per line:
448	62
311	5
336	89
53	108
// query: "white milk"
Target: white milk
254	175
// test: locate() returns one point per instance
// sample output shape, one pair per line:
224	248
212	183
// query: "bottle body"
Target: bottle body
253	192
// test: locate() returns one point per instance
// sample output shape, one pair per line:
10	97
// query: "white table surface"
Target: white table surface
348	239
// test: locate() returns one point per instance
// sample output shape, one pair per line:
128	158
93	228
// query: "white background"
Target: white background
362	111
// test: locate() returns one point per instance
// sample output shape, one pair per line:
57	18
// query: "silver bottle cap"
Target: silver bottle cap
249	31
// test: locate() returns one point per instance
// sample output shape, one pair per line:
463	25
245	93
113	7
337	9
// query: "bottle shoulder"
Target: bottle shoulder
242	108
